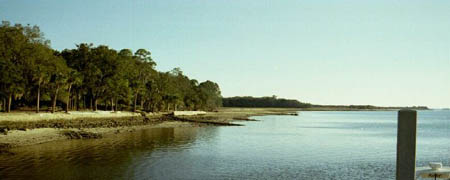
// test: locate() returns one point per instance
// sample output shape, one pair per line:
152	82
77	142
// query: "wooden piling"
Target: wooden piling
406	145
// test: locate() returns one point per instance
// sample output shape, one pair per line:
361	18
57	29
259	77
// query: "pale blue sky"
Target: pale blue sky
379	52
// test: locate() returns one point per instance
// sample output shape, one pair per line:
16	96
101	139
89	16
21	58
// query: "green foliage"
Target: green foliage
273	101
210	95
13	42
88	76
25	60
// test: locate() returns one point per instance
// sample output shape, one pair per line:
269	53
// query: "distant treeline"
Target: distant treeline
32	74
370	107
273	101
248	101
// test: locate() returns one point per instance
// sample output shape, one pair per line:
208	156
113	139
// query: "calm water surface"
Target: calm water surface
313	145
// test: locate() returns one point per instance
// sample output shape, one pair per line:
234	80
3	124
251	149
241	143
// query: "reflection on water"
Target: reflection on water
313	145
111	157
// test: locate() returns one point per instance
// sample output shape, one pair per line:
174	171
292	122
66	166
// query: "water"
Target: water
313	145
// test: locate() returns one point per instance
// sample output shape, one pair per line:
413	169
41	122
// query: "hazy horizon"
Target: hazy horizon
380	53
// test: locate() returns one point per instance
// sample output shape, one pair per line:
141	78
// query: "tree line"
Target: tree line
273	101
32	75
249	101
368	107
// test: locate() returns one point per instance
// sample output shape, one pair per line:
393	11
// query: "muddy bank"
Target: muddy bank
81	134
17	138
4	148
225	116
79	123
244	119
243	114
15	132
22	133
204	120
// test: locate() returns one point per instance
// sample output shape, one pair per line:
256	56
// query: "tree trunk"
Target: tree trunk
90	105
68	102
76	100
68	99
38	98
116	105
72	103
112	104
9	103
135	101
4	104
95	104
84	101
142	103
54	100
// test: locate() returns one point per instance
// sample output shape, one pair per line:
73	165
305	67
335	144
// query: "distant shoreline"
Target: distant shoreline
342	108
358	109
275	102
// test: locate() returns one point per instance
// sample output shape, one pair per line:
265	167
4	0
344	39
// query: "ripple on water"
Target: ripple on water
313	145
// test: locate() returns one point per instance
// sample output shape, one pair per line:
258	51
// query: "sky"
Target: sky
380	52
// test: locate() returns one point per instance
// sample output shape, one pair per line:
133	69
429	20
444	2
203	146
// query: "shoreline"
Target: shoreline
27	128
19	129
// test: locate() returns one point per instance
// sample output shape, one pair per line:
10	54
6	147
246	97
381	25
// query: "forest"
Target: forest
273	101
33	76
